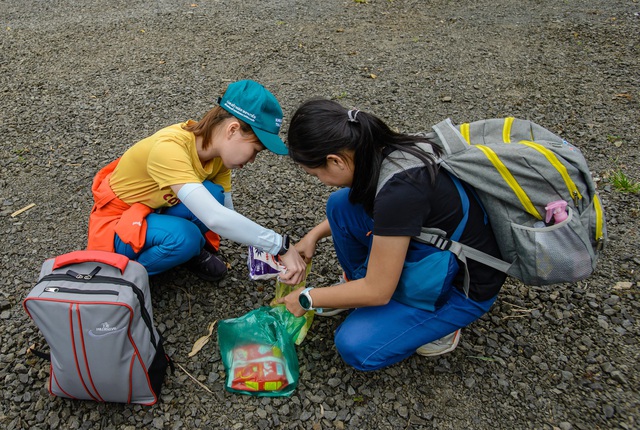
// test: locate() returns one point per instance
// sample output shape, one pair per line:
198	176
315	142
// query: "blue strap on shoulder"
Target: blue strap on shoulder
465	209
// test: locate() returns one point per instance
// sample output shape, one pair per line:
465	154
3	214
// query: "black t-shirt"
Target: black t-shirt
408	202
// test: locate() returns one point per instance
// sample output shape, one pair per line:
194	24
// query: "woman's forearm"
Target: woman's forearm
320	231
376	288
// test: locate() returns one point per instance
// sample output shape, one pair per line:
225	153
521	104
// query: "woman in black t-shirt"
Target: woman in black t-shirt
372	220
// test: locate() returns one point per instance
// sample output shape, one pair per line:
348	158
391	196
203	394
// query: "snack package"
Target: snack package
263	265
259	367
282	290
258	352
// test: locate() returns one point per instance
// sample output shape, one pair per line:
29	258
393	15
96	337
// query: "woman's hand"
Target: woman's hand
306	248
292	303
296	267
307	245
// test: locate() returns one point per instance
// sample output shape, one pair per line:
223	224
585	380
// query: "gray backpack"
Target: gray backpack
538	194
94	310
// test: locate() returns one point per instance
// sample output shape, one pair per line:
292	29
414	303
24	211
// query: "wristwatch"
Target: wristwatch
285	244
306	302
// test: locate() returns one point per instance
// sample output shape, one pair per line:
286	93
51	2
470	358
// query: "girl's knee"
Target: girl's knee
191	243
215	190
183	239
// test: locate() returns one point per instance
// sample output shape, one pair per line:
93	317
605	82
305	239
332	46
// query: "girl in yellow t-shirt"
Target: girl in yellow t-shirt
158	202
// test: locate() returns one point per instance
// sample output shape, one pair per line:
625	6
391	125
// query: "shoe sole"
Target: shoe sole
199	275
331	312
208	278
454	345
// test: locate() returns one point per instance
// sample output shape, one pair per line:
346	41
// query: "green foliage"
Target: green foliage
339	96
623	183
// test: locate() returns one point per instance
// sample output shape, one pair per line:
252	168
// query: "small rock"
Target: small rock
334	382
616	375
608	411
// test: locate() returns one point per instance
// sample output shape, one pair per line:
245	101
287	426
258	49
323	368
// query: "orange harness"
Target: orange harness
110	216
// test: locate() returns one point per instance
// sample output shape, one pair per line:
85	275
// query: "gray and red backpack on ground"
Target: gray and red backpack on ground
94	310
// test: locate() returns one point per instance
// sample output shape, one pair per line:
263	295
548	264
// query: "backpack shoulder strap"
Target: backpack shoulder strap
438	239
449	137
398	161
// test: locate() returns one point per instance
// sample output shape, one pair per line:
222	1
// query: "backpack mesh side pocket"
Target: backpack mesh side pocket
562	252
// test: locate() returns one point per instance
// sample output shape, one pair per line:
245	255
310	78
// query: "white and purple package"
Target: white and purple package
263	265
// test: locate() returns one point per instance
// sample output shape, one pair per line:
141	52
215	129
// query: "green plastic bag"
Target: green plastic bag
282	290
258	352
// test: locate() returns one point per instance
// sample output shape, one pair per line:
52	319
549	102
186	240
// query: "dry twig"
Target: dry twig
24	209
194	379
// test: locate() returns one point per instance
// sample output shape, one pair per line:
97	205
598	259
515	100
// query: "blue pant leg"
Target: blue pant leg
170	241
351	229
375	337
181	211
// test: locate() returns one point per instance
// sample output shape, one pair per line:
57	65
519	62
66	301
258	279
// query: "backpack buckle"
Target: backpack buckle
442	243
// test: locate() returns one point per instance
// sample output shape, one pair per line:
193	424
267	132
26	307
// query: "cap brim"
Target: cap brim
271	141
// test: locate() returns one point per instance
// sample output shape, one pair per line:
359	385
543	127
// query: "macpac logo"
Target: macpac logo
104	329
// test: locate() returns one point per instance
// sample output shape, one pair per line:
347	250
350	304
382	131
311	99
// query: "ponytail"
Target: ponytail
206	126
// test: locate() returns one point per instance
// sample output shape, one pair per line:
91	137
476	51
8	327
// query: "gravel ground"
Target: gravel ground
81	81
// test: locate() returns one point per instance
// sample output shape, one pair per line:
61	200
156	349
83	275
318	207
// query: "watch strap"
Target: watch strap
284	248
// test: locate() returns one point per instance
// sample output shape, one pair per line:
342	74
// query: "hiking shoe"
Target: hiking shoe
329	312
207	266
440	346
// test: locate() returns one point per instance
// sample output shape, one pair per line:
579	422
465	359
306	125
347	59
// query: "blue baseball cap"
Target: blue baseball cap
252	103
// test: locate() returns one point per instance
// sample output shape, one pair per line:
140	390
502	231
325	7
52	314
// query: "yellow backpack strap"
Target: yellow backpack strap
553	159
510	180
506	129
599	221
464	130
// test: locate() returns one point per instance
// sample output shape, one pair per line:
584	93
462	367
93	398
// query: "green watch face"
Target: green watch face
304	301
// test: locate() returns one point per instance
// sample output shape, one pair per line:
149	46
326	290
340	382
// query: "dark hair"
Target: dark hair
321	127
210	121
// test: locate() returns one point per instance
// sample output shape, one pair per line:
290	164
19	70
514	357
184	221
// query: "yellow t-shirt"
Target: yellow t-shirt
148	169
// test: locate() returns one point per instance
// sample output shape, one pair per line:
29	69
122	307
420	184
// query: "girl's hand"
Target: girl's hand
296	267
292	303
